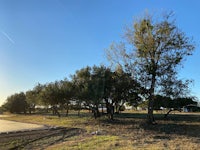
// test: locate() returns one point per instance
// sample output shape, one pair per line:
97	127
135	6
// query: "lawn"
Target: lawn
128	130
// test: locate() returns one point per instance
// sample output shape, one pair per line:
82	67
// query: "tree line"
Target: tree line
89	88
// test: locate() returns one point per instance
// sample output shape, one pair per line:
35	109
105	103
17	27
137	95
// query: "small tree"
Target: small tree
66	94
31	100
153	50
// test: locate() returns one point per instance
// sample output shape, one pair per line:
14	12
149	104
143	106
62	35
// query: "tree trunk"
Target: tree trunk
111	112
170	110
117	108
96	113
151	118
67	110
29	110
79	108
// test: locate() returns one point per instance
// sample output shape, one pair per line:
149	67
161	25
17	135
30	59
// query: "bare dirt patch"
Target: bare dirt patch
37	139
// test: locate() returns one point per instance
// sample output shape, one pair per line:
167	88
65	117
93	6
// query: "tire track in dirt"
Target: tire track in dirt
36	139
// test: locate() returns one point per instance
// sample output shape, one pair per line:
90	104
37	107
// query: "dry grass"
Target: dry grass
128	131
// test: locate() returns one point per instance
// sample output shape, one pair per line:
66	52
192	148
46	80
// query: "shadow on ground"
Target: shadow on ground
176	124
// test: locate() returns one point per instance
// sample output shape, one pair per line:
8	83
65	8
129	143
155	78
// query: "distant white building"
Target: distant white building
198	104
185	109
128	107
191	108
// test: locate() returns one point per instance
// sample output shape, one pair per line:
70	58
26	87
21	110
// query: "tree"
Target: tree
50	96
16	103
123	89
96	88
152	52
90	85
80	82
178	103
67	92
33	97
162	101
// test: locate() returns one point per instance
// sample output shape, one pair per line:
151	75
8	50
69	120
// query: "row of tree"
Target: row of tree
89	88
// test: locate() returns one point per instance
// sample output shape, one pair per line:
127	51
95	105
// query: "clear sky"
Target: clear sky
46	40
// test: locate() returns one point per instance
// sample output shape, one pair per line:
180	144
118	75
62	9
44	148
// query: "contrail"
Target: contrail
8	37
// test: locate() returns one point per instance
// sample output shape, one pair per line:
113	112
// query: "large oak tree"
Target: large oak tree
152	51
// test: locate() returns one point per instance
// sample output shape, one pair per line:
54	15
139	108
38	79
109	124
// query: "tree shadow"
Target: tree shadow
194	118
131	115
188	130
179	124
176	124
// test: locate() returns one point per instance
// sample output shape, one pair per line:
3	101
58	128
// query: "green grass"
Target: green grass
129	130
92	142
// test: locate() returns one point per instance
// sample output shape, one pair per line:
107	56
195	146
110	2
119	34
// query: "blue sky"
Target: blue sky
47	40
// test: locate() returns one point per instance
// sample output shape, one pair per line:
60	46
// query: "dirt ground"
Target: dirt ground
126	131
36	139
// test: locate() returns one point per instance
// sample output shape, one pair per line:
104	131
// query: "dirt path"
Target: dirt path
11	126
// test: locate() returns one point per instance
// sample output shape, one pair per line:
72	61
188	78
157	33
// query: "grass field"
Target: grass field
129	130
